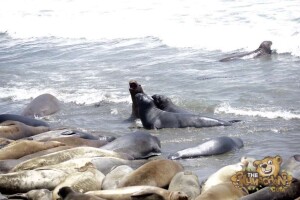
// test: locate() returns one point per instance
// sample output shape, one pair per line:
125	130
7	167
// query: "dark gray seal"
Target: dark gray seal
138	145
135	88
215	146
291	193
25	120
42	105
263	49
154	118
164	103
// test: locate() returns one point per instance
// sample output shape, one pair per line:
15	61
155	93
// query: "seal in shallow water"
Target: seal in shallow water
42	105
215	146
263	49
134	88
164	103
25	120
154	118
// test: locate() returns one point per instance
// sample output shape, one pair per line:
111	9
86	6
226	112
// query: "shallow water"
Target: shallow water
89	73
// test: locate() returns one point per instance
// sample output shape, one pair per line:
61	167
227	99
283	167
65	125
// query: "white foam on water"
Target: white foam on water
80	96
212	25
263	112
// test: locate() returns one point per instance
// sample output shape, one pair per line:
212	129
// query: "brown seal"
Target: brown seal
17	130
157	173
135	88
22	148
4	142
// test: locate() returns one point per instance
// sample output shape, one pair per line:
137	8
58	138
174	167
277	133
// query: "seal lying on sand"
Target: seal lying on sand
42	105
126	193
42	194
263	49
138	145
17	130
157	173
66	193
215	146
154	118
25	120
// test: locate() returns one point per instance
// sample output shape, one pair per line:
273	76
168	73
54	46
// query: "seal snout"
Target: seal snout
133	85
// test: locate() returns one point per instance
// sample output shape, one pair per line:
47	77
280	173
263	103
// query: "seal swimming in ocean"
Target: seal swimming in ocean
214	146
154	118
129	193
157	173
17	130
134	88
25	120
263	49
138	144
164	103
42	105
66	193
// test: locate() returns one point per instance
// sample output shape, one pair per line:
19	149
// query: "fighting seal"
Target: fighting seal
134	88
214	146
164	103
154	118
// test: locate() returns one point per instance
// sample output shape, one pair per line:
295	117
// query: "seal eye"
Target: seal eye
270	162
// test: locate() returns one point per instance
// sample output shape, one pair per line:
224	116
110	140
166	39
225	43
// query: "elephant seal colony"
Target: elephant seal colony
64	164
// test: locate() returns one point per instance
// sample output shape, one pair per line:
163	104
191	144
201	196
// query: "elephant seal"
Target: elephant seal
61	156
17	130
77	141
42	105
263	49
154	118
164	103
133	192
187	182
292	192
112	179
138	145
157	173
42	194
215	146
3	197
4	142
223	175
134	88
292	166
223	191
87	178
22	148
68	133
66	193
25	120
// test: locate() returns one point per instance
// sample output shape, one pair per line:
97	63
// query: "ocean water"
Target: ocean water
85	53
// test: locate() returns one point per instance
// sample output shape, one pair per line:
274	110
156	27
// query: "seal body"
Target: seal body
223	191
42	105
25	120
17	130
129	193
134	88
138	145
42	194
157	173
112	179
154	118
215	146
263	49
164	103
22	148
66	193
187	182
